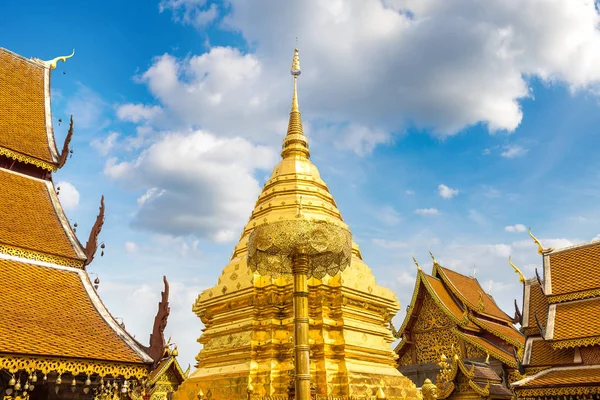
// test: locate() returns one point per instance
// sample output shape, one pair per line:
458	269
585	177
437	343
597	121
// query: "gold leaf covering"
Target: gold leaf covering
271	247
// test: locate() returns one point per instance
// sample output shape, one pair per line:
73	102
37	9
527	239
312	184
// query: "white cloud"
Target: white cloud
137	112
190	12
427	211
515	228
106	145
68	195
514	151
409	192
131	247
208	192
445	192
486	152
452	64
389	244
597	237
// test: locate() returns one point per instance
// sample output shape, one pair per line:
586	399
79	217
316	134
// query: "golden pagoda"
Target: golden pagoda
57	339
248	317
451	321
561	319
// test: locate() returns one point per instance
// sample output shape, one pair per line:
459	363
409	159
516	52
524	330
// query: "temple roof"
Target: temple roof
574	323
539	353
62	317
25	119
470	292
33	222
488	347
554	378
572	272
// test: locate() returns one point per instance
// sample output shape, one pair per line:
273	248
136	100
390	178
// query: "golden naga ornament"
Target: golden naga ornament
517	270
52	63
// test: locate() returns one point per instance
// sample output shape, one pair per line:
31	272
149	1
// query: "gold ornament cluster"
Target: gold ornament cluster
75	367
271	247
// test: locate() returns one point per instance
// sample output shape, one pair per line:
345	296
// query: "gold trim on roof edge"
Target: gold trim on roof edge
27	159
13	363
564	344
461	322
39	256
560	298
496	354
557	391
483	392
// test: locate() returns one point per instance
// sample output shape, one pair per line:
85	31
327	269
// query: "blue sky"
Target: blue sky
436	126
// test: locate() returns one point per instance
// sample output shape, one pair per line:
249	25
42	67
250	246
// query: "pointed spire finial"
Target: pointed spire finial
295	143
432	257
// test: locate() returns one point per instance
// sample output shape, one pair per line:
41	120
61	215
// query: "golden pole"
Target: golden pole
301	346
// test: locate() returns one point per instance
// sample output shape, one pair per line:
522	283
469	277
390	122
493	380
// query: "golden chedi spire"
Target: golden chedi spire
248	338
295	143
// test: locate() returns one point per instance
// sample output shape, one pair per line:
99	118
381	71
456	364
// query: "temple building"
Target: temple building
452	323
561	319
247	340
57	339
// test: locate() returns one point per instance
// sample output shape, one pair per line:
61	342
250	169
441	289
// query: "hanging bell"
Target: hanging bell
26	385
34	378
97	281
73	382
88	382
102	246
18	386
58	380
12	381
45	378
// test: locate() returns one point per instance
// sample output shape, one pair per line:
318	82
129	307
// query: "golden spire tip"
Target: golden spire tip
540	247
416	263
517	270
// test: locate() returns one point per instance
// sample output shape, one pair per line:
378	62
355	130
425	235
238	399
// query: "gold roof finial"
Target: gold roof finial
52	63
416	263
517	270
540	247
432	258
295	143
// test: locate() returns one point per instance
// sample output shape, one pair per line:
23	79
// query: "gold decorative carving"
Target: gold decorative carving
26	159
406	359
431	317
474	352
565	344
429	390
73	366
37	256
431	345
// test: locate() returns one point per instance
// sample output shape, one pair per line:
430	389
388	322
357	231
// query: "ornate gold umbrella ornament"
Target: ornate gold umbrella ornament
302	248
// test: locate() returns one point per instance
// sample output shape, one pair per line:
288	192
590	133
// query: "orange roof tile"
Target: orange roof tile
565	377
47	311
31	220
543	354
470	291
506	332
442	295
538	303
577	319
23	108
576	269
